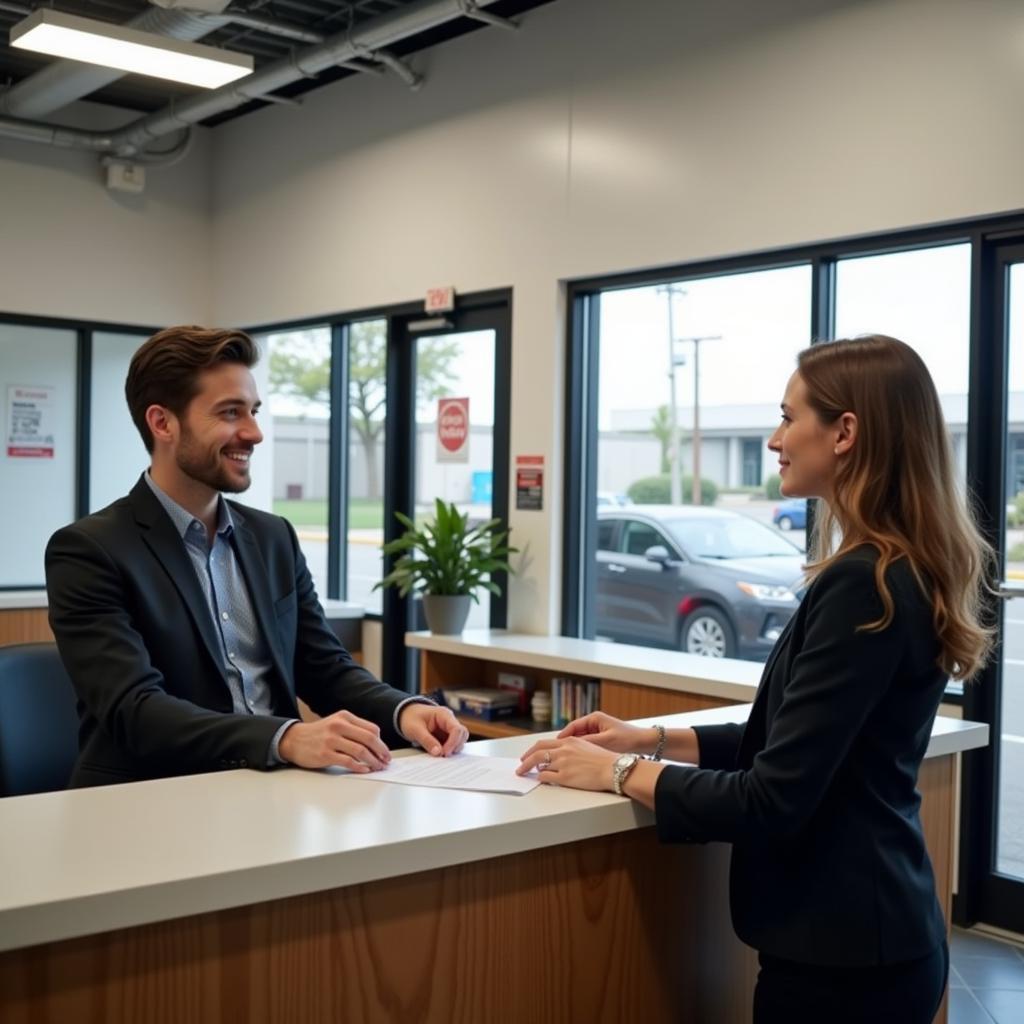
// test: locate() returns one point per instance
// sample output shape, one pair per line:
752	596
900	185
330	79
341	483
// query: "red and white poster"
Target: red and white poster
453	430
530	482
29	422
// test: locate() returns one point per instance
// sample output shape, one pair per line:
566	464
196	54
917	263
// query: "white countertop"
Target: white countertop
645	666
11	600
342	609
91	860
17	599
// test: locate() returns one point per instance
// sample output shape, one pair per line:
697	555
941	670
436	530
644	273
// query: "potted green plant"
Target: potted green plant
447	561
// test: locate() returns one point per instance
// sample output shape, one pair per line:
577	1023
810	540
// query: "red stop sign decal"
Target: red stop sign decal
453	423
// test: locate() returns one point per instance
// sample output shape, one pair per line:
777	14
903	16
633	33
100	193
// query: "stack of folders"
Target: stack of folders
572	698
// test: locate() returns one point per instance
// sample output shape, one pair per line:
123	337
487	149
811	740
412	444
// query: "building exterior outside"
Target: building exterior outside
733	452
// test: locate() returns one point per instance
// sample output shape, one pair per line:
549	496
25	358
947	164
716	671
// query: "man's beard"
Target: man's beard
206	467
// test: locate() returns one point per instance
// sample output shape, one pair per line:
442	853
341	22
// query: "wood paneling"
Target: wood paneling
613	929
24	626
624	700
591	931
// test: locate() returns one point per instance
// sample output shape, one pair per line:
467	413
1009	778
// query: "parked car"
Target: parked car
791	514
702	580
607	499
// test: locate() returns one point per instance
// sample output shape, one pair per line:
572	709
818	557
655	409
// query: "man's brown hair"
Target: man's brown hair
165	370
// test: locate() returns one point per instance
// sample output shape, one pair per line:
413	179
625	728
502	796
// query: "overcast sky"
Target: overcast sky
763	318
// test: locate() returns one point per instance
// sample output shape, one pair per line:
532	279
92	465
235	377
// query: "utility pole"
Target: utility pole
670	291
695	494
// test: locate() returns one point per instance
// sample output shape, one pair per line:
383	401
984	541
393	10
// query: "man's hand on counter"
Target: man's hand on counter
433	728
342	739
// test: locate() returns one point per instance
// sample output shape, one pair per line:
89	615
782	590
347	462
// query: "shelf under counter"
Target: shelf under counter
634	682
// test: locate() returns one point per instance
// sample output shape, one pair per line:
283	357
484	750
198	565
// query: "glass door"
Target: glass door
1009	724
447	438
993	805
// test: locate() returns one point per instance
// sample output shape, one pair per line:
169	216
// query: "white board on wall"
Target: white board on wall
37	494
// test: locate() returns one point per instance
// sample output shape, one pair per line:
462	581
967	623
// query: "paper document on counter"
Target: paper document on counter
460	771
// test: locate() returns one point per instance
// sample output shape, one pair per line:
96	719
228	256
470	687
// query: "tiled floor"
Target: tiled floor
986	980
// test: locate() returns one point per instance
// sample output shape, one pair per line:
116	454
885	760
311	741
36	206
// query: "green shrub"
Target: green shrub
773	487
1015	515
1016	553
657	490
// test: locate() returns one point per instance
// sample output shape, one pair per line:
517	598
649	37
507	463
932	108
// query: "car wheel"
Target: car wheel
707	632
785	523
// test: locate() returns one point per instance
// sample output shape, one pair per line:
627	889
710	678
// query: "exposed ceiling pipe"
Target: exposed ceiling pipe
471	9
270	26
366	38
360	41
65	81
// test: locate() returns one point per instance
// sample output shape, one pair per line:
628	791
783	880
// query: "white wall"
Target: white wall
70	248
606	136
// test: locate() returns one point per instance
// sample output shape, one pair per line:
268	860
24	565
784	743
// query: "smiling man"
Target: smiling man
188	623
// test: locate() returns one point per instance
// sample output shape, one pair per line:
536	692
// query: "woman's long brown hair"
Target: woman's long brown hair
897	489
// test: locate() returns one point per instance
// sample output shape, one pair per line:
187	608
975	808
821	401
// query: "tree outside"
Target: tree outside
300	369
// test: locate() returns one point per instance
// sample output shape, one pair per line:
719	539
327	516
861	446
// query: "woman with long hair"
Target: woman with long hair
830	878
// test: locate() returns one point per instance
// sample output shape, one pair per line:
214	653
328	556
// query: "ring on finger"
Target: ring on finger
544	763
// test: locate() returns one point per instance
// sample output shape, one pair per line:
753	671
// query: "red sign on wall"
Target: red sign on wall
453	430
530	482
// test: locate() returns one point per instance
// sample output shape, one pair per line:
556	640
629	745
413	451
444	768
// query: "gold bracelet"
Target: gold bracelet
660	748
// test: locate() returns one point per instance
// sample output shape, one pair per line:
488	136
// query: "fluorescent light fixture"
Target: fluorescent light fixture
114	46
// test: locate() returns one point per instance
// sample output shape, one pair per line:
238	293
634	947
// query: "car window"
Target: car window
638	537
729	537
606	534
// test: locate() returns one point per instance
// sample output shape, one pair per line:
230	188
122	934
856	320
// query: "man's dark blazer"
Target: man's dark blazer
818	791
138	640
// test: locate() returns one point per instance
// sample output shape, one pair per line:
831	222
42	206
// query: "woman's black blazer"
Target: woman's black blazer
817	793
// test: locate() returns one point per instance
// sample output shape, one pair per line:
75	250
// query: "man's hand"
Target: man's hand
434	728
341	738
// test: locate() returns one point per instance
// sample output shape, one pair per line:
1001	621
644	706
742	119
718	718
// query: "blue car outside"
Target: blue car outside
791	514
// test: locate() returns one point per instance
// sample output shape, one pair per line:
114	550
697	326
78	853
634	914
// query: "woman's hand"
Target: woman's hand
612	734
571	762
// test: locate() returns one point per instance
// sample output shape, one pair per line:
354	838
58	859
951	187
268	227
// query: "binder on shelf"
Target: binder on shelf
488	703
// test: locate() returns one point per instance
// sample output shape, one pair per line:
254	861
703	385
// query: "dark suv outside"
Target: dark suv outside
705	581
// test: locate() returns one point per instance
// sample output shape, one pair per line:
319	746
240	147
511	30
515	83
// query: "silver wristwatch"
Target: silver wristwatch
623	765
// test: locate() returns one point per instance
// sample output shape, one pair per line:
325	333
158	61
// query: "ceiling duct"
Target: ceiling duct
65	81
362	41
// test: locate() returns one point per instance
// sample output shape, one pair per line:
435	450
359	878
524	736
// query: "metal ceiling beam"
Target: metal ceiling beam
361	40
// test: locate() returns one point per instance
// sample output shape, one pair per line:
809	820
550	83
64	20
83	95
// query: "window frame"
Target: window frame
83	330
399	457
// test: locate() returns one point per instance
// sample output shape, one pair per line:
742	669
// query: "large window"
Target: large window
367	410
922	297
117	454
38	396
456	365
665	434
295	450
690	378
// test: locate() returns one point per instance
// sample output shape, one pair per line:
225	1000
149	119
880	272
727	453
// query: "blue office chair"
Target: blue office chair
38	720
